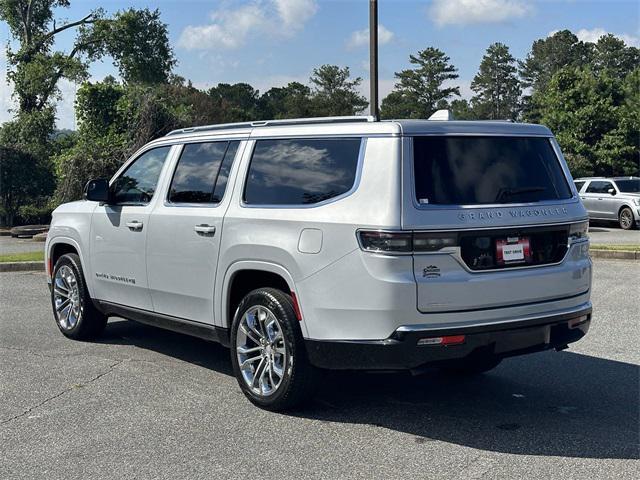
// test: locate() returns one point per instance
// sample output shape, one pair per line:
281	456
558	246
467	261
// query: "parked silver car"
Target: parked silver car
341	243
614	199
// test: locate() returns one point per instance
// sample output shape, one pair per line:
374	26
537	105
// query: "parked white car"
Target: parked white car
614	199
338	243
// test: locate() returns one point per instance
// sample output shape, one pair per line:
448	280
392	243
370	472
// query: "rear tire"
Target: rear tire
474	366
268	352
625	219
73	310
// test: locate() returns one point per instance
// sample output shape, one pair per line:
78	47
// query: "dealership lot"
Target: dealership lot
146	403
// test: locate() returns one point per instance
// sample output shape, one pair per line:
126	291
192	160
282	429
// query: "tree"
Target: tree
462	110
235	103
496	85
594	118
335	93
138	42
614	55
291	101
421	91
35	68
548	56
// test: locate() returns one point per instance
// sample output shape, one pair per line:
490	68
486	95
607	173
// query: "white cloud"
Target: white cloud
295	13
592	36
464	12
231	27
360	38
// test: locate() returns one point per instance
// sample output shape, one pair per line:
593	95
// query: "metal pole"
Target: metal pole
373	58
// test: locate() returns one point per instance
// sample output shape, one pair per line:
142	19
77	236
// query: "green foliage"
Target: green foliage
138	42
235	103
421	91
496	85
335	93
291	101
592	116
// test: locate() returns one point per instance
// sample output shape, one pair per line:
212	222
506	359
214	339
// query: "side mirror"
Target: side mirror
97	190
611	191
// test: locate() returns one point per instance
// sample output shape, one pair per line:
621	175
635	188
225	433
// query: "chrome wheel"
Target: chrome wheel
626	219
261	351
66	298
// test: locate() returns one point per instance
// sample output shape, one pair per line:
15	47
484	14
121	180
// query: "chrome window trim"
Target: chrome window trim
298	206
414	196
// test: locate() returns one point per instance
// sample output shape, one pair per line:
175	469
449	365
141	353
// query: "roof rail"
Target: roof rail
268	123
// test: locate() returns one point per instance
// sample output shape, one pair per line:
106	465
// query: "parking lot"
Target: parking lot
145	403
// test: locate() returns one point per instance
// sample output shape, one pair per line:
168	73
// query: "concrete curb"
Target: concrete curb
615	254
22	267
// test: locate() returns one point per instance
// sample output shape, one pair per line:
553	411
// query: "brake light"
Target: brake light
405	242
578	231
385	242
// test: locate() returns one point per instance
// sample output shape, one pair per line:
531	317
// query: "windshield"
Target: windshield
629	186
470	170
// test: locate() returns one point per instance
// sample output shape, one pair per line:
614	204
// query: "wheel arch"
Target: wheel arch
237	282
59	246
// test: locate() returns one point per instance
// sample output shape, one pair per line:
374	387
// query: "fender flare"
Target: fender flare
250	265
85	266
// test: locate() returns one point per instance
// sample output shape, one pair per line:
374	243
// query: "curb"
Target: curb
22	267
615	254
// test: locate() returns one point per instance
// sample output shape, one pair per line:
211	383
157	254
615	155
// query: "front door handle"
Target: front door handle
205	229
134	225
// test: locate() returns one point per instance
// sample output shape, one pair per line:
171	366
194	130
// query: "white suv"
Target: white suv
339	243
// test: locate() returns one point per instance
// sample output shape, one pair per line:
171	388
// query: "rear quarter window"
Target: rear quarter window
301	171
468	170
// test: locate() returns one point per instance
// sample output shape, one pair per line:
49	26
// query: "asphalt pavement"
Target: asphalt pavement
145	403
602	233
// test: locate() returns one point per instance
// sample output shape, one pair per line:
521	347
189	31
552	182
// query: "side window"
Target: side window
137	184
599	187
301	171
202	172
579	185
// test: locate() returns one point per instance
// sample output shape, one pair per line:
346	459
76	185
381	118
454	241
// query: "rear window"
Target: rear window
301	171
470	170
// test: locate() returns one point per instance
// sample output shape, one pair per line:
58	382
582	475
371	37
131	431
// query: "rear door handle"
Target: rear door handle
134	225
205	229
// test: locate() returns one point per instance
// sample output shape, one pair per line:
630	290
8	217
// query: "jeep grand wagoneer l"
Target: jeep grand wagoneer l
338	243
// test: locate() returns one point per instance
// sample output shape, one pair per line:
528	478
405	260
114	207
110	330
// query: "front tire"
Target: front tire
625	219
73	309
268	352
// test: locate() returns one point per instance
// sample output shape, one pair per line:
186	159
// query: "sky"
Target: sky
269	43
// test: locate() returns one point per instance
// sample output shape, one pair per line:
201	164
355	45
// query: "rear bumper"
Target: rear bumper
401	350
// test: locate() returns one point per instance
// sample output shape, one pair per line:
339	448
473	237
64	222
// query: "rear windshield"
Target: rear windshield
484	170
629	186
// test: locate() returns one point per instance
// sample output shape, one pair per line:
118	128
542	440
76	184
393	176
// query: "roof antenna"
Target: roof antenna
373	59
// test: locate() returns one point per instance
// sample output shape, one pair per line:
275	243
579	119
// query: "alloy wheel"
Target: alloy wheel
626	219
261	351
66	298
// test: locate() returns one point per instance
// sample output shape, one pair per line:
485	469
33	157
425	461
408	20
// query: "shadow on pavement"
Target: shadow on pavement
553	404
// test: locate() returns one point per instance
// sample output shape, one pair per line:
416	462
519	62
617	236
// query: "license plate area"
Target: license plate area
513	250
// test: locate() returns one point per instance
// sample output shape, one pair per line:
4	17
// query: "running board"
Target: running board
204	331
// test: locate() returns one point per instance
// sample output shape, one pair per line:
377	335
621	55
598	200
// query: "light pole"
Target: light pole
373	59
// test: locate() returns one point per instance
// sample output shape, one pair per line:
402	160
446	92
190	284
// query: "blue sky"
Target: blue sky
271	42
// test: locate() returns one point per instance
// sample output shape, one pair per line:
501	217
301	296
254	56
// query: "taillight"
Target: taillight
405	242
431	242
578	231
385	242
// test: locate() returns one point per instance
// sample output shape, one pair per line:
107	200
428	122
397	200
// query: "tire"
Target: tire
474	366
275	373
625	219
73	310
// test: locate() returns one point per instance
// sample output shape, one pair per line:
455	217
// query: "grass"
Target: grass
23	257
616	248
